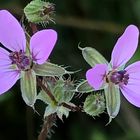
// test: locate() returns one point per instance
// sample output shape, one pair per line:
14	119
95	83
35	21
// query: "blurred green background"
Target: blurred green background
95	23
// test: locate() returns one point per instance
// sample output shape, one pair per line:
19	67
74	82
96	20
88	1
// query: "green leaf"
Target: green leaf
112	95
49	69
28	87
84	87
94	104
92	56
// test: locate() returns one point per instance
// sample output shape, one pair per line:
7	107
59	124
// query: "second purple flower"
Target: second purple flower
114	76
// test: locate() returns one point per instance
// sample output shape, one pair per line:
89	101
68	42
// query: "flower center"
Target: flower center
22	61
118	77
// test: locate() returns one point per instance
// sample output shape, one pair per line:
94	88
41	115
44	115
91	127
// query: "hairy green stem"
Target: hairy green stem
48	123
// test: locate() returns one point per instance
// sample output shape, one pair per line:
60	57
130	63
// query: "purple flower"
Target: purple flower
127	79
15	58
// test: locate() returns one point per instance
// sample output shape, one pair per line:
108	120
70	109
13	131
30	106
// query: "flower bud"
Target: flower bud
39	12
94	104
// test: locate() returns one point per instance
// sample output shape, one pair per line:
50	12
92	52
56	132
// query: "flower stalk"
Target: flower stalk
47	125
72	108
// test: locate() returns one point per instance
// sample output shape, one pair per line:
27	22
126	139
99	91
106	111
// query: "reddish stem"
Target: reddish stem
72	108
33	27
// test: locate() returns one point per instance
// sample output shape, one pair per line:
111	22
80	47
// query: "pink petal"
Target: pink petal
42	44
133	68
131	94
95	76
134	79
11	33
125	46
7	80
134	73
132	90
4	58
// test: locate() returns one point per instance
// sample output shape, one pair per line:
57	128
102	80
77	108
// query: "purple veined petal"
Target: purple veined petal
95	75
42	44
133	68
133	71
133	82
131	94
125	46
8	79
4	58
11	33
133	85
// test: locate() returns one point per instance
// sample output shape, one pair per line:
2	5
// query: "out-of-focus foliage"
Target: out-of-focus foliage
94	23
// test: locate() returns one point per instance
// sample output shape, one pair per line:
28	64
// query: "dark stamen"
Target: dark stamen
119	77
22	61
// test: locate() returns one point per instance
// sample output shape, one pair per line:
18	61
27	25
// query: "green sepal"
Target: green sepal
49	69
68	95
59	110
63	91
84	87
92	56
62	111
43	96
69	90
94	104
28	87
58	91
112	96
50	110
